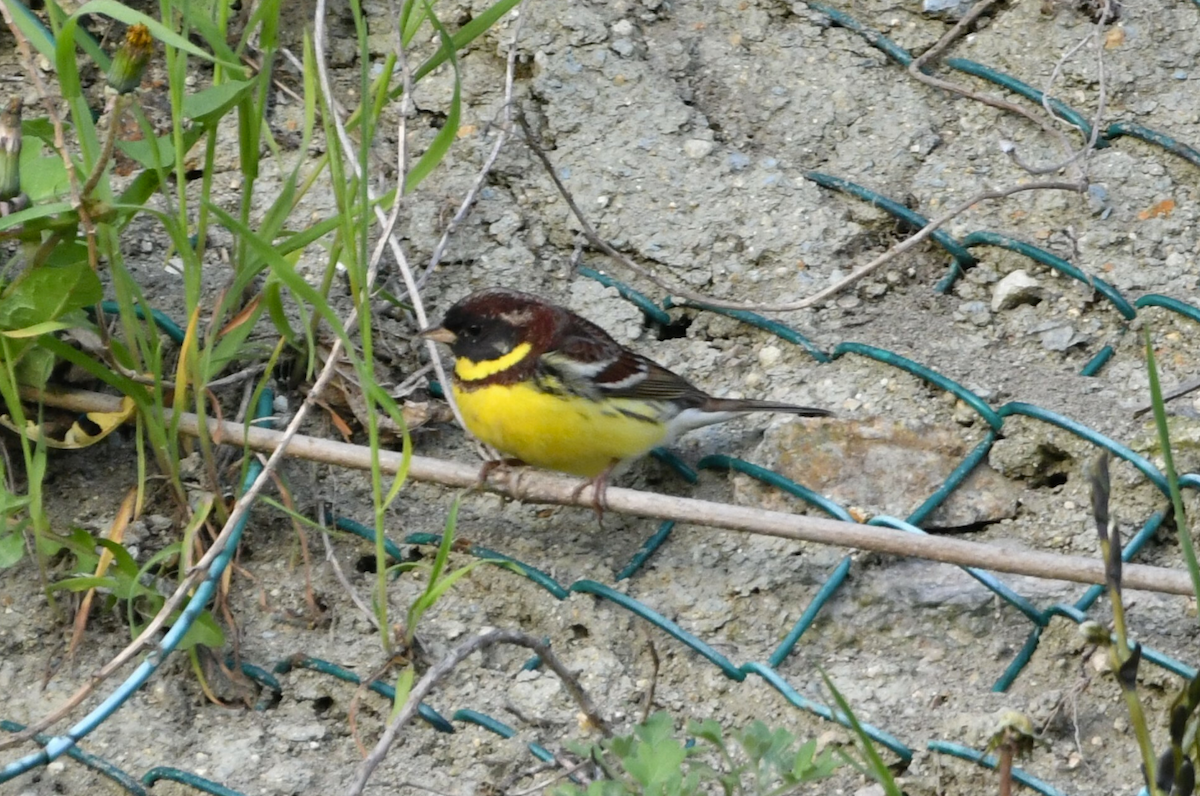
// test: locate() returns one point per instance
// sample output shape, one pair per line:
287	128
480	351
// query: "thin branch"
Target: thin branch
933	226
443	667
1089	146
952	35
535	486
331	559
915	70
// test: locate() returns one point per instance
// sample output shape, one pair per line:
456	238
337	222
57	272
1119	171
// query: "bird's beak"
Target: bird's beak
439	334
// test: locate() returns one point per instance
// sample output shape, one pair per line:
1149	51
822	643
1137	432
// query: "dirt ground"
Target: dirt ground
685	131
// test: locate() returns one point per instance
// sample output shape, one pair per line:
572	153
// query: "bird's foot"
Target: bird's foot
599	486
490	466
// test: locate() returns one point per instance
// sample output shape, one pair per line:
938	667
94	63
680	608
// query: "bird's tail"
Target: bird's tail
741	406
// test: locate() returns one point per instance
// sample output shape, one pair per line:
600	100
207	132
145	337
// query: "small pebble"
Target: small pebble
697	148
769	355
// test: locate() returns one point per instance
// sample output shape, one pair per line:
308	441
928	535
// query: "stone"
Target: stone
697	148
1014	289
882	467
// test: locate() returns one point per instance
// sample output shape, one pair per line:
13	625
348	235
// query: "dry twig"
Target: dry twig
443	667
677	291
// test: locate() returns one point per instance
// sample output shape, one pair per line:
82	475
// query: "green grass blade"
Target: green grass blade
878	769
445	138
1164	441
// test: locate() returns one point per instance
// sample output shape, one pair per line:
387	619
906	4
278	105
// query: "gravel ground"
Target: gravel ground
685	131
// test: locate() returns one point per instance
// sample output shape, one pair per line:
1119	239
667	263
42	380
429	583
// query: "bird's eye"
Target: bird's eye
474	330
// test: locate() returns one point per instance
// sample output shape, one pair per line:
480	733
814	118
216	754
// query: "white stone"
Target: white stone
1016	288
697	148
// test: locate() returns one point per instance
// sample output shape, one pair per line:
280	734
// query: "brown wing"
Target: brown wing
589	362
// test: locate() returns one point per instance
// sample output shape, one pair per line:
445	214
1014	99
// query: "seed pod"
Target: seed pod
10	150
1185	783
1127	674
1179	717
129	64
1164	774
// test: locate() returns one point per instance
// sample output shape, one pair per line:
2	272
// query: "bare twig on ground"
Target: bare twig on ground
562	774
915	71
443	667
1170	395
676	290
654	666
927	230
331	559
1084	152
951	36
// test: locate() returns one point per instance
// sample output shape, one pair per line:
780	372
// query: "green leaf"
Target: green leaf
230	346
122	560
12	549
878	769
282	270
445	138
204	632
404	684
33	214
45	294
708	730
37	330
208	106
658	758
43	175
32	29
273	298
80	543
123	13
83	583
462	37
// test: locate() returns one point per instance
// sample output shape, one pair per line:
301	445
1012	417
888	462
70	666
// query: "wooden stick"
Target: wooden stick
533	486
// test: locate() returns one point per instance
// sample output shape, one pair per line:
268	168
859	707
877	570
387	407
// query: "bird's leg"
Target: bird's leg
493	464
599	486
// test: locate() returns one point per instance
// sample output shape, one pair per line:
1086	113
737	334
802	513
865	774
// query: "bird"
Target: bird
548	388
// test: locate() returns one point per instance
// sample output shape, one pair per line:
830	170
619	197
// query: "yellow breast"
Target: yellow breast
561	432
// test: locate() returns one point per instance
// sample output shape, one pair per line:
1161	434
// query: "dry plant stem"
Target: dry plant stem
1005	769
914	69
199	571
951	35
541	487
1101	99
116	110
563	774
675	290
331	559
933	226
443	667
505	128
319	38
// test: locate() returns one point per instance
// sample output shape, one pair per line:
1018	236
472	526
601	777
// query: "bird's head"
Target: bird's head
493	330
